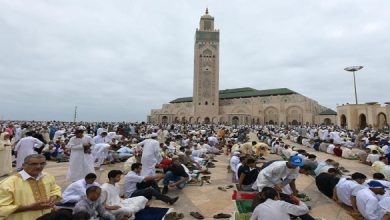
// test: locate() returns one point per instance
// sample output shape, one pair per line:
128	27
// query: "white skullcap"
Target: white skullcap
153	135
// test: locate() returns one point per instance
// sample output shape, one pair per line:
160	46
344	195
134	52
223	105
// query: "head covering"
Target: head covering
296	160
2	136
376	184
153	135
100	131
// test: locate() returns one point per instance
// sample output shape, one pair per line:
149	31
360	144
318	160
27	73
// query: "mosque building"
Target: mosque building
235	106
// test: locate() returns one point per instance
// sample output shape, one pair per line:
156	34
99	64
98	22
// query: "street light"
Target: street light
353	69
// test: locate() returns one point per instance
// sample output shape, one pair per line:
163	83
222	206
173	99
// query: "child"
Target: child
90	204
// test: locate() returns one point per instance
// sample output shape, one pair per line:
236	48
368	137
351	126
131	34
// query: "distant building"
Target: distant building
361	116
235	106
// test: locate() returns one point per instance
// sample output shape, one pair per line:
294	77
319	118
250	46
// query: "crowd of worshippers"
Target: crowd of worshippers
155	154
369	198
177	154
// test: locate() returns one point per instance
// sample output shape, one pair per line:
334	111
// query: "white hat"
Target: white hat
153	135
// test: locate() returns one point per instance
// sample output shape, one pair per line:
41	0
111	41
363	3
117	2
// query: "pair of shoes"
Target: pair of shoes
173	200
222	188
164	190
222	215
173	216
197	215
261	158
210	165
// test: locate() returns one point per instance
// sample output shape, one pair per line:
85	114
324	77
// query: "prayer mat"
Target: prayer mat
242	216
241	195
244	206
151	213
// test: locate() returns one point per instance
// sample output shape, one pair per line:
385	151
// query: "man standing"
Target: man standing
26	147
81	161
151	155
30	193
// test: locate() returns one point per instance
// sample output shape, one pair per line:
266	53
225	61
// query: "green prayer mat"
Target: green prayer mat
244	206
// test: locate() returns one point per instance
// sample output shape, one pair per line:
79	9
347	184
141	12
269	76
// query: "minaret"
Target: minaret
206	68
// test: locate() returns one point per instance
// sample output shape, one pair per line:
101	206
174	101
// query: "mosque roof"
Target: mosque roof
328	112
244	92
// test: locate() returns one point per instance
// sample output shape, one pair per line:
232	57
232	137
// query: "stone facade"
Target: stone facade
360	116
234	106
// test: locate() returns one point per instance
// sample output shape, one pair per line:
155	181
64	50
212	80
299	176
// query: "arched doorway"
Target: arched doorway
164	119
294	122
207	120
327	121
343	121
192	120
176	120
183	120
271	114
382	120
271	122
235	120
362	121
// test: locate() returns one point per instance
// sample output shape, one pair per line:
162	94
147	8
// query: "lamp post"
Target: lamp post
353	69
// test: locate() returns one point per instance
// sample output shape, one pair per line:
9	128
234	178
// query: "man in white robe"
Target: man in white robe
112	201
81	160
279	174
101	136
18	134
151	155
76	190
99	154
26	146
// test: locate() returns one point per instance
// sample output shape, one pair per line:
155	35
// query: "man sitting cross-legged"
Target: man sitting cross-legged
112	202
137	185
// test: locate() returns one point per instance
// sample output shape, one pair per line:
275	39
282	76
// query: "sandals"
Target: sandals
224	188
206	179
173	216
222	215
197	215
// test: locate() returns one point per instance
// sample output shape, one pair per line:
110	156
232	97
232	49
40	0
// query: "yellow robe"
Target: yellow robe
246	148
260	148
14	191
5	156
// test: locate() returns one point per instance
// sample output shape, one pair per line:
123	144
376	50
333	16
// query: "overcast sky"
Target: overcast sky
116	60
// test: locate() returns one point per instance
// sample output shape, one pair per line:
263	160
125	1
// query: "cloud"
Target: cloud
118	60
